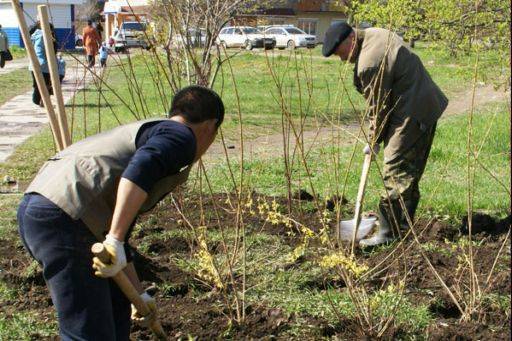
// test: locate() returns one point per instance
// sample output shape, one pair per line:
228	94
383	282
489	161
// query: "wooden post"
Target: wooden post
38	75
54	74
360	197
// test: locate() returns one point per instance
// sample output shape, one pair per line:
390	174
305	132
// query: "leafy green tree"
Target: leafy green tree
403	16
457	25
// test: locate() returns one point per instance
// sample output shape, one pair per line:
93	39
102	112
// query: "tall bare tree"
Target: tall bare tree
187	30
89	10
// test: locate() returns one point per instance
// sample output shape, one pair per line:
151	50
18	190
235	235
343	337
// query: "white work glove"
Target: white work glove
145	321
117	260
367	150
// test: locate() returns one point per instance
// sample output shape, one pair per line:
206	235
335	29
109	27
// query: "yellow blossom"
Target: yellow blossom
348	263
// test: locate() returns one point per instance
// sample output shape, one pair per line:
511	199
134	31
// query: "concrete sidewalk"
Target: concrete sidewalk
13	65
20	118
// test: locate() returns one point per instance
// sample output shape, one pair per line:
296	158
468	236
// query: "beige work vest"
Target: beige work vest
82	179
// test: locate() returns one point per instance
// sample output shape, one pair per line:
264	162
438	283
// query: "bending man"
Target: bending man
404	105
94	190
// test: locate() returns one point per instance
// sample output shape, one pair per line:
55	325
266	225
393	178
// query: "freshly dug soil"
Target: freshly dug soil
182	313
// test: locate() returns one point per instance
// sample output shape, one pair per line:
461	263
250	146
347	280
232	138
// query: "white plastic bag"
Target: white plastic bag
346	228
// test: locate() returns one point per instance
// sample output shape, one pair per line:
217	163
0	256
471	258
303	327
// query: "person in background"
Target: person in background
99	28
5	55
61	63
36	36
103	55
111	42
92	42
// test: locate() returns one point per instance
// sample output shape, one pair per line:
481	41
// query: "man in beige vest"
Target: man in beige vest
94	190
403	104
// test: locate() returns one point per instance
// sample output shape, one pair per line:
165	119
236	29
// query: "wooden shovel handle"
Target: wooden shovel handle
123	282
360	197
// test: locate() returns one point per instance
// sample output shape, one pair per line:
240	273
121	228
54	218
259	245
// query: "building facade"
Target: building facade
312	16
62	15
118	11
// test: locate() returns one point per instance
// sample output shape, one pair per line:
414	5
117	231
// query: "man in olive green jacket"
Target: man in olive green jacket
4	47
403	105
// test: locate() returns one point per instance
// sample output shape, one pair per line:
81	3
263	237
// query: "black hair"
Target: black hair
36	26
89	22
197	104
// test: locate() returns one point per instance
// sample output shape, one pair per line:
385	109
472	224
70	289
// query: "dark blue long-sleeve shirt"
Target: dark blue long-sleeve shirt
163	149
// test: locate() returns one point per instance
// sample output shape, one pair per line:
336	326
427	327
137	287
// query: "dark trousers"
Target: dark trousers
88	307
91	60
103	62
36	95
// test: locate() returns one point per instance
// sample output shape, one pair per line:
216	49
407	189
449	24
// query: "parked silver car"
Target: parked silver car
130	34
244	36
290	37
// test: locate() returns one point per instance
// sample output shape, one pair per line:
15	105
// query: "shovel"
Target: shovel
357	228
127	288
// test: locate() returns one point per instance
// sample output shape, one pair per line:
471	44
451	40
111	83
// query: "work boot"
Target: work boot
384	235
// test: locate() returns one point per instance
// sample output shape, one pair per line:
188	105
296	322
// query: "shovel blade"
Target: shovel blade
346	228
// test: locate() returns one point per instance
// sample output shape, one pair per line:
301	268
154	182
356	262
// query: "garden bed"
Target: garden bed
188	306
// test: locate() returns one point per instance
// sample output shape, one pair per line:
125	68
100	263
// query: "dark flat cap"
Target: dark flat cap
336	33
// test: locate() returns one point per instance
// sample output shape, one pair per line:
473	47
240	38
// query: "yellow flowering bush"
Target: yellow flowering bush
348	263
206	269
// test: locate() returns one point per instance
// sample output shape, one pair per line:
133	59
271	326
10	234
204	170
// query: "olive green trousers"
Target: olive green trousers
407	146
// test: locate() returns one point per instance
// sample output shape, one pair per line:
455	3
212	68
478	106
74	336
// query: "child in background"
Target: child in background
103	54
61	63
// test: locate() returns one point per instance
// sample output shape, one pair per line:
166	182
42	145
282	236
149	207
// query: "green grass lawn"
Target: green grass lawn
444	184
14	83
133	94
17	52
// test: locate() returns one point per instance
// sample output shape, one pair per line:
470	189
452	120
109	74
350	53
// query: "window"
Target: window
250	30
336	21
308	25
294	30
238	31
133	26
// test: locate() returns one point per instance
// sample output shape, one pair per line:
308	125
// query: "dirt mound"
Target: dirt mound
465	331
438	230
182	317
485	224
14	265
303	195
